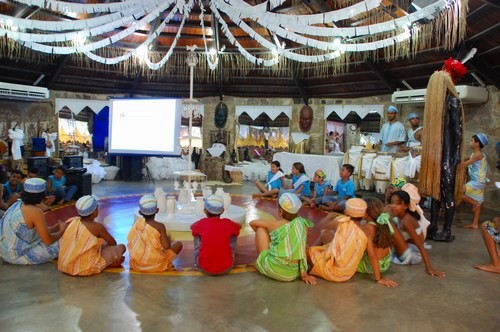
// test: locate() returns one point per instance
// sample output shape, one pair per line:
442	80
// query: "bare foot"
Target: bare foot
488	268
118	263
471	226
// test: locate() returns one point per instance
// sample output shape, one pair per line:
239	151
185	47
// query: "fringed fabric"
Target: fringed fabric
439	85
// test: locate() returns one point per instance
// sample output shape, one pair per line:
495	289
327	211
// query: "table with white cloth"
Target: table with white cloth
312	162
251	171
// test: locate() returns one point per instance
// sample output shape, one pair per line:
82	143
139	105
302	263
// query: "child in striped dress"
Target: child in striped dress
149	246
87	248
477	167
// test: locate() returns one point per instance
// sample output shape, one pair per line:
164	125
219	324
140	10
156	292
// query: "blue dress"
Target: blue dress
20	245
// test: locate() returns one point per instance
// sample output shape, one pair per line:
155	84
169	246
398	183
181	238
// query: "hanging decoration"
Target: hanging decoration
318	37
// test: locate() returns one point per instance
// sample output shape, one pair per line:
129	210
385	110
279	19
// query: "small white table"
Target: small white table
185	216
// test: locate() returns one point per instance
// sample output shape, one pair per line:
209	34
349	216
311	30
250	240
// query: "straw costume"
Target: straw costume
442	170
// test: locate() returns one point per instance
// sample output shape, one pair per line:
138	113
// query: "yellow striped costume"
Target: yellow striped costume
80	250
145	249
339	259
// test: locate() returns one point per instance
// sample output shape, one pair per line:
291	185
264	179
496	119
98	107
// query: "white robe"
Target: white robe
17	137
49	137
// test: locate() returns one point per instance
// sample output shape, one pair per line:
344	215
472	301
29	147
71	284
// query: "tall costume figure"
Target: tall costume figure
442	173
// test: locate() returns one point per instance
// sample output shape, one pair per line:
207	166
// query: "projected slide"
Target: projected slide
145	126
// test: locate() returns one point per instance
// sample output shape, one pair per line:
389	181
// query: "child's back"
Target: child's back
149	246
216	234
81	248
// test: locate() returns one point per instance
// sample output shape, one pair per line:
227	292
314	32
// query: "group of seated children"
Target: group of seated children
58	192
323	196
366	239
361	240
87	248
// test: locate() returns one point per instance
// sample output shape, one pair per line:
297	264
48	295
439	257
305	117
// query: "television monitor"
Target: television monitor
145	127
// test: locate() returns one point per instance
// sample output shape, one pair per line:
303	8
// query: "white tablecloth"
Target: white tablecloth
252	171
312	162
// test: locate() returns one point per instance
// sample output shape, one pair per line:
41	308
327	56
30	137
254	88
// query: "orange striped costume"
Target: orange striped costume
145	249
80	250
339	259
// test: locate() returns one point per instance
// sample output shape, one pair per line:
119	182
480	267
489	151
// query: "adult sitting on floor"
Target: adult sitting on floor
25	237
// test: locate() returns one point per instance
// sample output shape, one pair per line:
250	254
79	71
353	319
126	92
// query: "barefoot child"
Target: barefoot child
477	167
320	184
86	248
377	256
214	239
409	237
149	246
301	184
56	185
273	184
491	237
281	243
344	189
352	245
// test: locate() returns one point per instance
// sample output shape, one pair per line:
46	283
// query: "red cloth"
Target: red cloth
215	254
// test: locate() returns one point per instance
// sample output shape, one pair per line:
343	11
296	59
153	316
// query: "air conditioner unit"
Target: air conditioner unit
468	94
18	91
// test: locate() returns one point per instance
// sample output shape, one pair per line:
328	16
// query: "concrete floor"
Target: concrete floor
39	298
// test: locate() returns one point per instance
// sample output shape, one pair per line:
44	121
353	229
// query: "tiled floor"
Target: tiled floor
39	298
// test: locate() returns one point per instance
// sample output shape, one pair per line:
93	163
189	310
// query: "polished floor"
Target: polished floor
39	298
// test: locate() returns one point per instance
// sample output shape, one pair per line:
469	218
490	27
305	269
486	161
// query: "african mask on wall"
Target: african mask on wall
221	113
306	118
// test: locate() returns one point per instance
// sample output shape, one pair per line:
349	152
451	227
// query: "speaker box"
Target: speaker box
82	181
73	161
131	168
42	164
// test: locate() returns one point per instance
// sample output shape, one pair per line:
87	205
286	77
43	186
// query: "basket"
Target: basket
236	176
111	172
96	178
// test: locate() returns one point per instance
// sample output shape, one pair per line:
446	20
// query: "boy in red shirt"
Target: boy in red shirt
214	239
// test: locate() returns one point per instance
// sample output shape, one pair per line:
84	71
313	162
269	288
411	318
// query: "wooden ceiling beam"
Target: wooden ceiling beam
55	75
483	33
482	68
493	3
383	76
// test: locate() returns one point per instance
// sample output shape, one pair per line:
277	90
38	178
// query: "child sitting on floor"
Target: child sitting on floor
396	184
350	245
273	184
491	237
214	239
282	243
149	246
301	184
409	237
56	185
12	189
477	167
86	248
320	184
344	189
